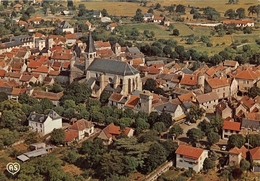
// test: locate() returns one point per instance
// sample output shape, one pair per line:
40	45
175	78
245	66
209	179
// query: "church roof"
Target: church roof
90	45
112	67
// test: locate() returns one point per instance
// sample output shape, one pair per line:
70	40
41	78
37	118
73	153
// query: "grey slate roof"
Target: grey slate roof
64	25
207	97
90	44
187	71
112	67
133	50
167	107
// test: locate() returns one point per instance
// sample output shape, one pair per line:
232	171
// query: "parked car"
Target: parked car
188	123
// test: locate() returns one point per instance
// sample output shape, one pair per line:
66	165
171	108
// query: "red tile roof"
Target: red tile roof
42	69
186	97
189	79
237	151
116	97
247	74
230	125
80	125
2	72
50	95
217	82
189	151
247	101
61	56
71	135
255	153
242	21
111	130
133	101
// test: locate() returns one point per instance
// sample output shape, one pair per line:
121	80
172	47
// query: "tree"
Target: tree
46	103
241	13
176	130
216	59
70	4
115	163
232	1
29	11
247	30
9	120
157	6
254	140
150	10
76	91
244	165
141	124
231	14
104	97
237	173
150	84
254	10
196	113
57	136
208	164
157	155
138	16
176	32
212	138
216	124
180	9
195	134
104	12
159	127
3	96
236	140
149	136
56	88
71	157
166	118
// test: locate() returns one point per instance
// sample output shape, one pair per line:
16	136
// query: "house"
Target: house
255	158
173	109
79	130
88	24
148	17
231	63
158	19
223	110
17	7
251	122
208	101
54	97
116	99
190	157
230	128
246	79
111	27
235	155
97	14
219	85
109	133
240	23
64	26
44	124
188	81
36	20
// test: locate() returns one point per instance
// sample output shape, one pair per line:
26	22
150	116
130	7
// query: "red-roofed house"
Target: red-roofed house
246	79
111	27
17	7
255	158
82	127
188	81
240	23
158	19
190	157
230	128
218	85
109	133
236	155
117	99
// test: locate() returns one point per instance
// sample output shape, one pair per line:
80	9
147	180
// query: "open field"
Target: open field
129	8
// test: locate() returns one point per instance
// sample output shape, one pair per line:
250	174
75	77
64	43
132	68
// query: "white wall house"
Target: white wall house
44	124
190	157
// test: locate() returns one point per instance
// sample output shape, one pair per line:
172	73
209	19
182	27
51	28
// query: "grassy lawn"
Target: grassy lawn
159	31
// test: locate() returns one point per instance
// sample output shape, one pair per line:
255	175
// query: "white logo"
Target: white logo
13	168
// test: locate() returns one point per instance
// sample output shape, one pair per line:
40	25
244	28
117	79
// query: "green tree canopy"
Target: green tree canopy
176	130
57	136
236	140
195	134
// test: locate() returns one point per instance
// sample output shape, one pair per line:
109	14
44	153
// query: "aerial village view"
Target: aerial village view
129	90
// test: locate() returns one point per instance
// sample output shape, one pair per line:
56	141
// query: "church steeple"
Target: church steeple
90	51
90	45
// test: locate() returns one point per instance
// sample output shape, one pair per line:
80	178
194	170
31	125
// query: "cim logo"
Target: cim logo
13	168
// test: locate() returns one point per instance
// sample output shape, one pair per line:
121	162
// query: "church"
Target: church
103	74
